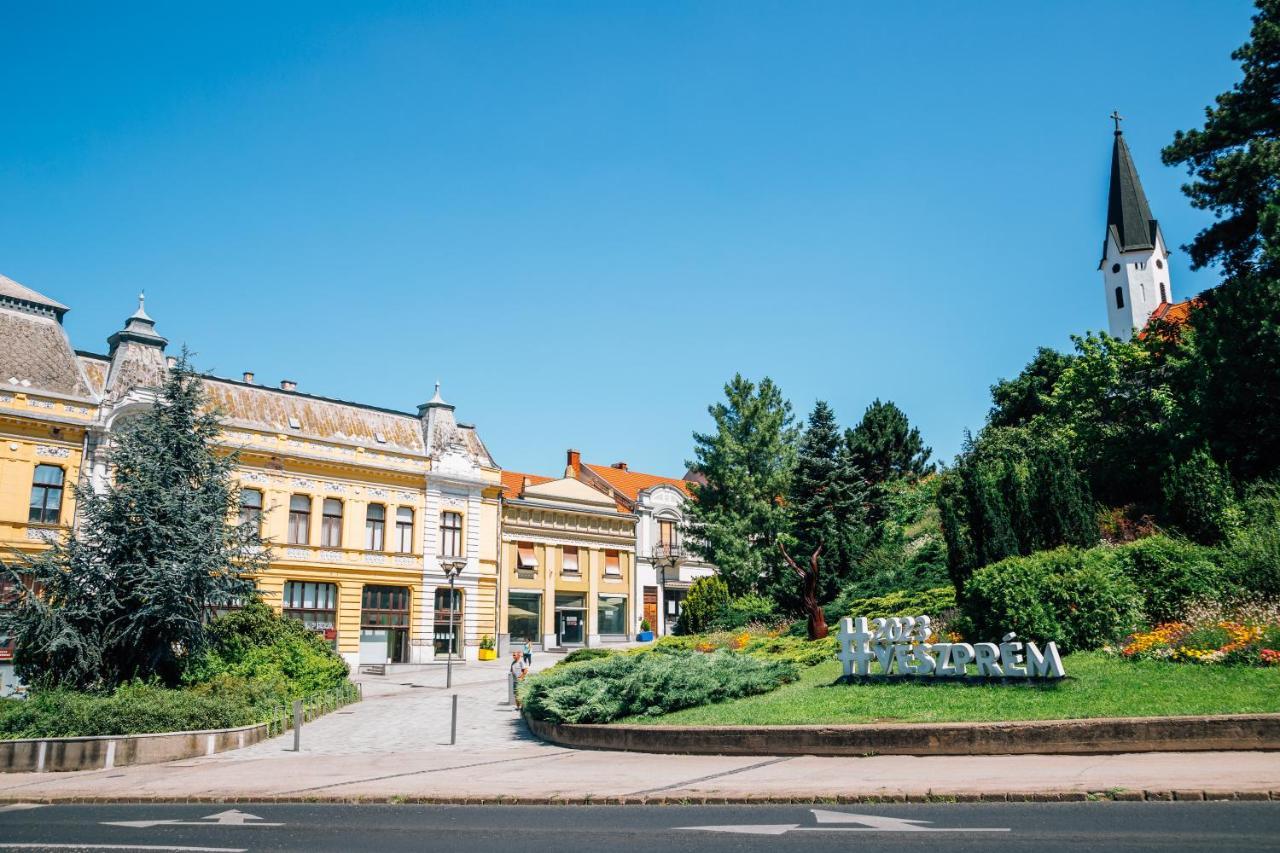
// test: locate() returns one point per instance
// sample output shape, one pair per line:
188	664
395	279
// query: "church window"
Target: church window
1159	264
1115	268
1142	265
1164	292
331	524
1119	297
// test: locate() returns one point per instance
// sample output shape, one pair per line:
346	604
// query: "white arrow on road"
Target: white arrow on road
231	817
868	823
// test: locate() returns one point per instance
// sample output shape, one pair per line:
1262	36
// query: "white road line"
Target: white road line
21	807
47	846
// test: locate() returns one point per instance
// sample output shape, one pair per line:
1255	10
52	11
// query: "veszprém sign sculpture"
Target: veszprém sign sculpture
900	645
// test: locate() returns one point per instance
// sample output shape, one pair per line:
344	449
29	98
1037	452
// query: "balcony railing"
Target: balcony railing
669	553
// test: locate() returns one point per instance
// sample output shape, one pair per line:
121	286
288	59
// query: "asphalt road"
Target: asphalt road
1042	827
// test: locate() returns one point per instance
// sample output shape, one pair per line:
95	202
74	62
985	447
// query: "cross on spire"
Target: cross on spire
1117	118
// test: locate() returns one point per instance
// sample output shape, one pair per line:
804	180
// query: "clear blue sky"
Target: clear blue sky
584	217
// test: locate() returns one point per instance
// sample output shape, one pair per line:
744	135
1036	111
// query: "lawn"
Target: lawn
1099	686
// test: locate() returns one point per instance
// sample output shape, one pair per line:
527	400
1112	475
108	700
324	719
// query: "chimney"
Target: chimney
288	385
248	377
574	466
621	466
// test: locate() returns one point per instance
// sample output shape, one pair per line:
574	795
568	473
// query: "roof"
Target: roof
35	351
1129	219
632	483
95	369
1171	317
513	482
270	410
13	290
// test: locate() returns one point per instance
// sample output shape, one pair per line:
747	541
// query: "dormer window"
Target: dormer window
380	438
294	423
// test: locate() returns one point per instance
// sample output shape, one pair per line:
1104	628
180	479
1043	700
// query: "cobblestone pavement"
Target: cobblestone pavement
409	712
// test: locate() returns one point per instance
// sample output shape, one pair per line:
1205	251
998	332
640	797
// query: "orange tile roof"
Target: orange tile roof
1172	315
631	483
513	482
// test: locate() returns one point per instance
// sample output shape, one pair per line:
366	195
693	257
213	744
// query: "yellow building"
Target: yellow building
364	508
568	559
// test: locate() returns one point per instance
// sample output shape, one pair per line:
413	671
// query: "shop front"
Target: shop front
384	625
571	619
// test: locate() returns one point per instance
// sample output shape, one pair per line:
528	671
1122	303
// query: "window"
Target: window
611	564
1159	264
1164	292
570	564
525	561
315	605
612	614
451	534
331	524
375	527
1142	265
524	617
1119	297
666	533
251	508
46	495
384	620
448	620
299	520
1115	268
404	530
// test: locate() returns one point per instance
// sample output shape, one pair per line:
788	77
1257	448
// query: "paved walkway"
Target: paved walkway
395	744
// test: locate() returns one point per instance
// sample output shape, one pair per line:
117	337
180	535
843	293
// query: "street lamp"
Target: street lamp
451	568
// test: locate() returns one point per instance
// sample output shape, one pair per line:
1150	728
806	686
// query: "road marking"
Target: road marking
21	807
120	847
868	823
232	817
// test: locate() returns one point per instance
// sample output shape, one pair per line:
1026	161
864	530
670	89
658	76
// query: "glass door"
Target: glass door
569	627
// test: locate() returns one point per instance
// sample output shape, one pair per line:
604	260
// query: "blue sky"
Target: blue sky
584	217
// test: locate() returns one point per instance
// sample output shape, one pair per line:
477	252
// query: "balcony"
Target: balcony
667	554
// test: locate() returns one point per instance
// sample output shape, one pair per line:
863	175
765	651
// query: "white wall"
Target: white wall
1141	285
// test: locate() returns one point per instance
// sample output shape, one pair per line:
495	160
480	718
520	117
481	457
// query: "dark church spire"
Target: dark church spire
1129	219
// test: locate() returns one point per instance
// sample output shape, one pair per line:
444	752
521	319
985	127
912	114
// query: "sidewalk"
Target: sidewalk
394	745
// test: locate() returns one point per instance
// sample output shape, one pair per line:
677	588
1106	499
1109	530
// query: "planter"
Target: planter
644	637
488	654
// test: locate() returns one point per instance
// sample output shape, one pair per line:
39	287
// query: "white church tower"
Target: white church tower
1135	260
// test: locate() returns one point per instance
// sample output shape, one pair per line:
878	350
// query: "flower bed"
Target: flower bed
1240	640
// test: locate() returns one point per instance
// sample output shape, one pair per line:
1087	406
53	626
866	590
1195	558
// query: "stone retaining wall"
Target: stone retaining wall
102	753
1056	737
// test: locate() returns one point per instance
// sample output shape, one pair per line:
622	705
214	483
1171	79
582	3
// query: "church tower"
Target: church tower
1135	260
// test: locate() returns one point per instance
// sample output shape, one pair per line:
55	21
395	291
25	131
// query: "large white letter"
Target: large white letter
1047	665
961	657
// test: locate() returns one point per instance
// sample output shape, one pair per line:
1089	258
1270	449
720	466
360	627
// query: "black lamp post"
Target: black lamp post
452	568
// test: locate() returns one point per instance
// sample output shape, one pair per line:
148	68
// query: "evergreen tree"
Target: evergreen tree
1235	165
1027	395
884	445
737	516
130	594
827	508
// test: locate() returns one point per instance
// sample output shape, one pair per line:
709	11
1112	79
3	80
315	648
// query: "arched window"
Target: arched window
331	524
1164	292
299	519
375	525
1119	297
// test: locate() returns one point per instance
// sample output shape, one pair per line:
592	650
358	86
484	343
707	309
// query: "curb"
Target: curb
1230	732
1119	795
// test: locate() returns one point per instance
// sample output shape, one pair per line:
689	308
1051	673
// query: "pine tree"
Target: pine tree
885	446
737	516
130	594
826	507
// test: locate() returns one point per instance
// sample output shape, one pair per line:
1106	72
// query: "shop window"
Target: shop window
315	605
331	524
569	565
384	623
404	530
251	508
299	520
524	617
611	614
375	526
450	534
46	495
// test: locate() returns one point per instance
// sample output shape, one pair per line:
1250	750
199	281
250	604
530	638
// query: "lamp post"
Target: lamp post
452	568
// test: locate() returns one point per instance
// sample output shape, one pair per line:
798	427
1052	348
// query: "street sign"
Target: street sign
232	817
830	821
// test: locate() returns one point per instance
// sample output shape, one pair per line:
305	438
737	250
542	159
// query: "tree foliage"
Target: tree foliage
884	445
706	603
129	596
747	461
1028	395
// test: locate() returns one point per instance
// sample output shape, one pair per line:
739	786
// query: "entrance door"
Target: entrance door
569	627
651	607
373	645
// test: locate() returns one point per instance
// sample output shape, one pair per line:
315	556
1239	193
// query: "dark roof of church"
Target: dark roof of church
1129	218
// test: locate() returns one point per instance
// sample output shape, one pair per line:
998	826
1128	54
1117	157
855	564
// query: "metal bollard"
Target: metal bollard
453	722
297	725
511	688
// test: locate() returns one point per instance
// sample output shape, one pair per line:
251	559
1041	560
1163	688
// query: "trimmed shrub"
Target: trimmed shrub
131	709
1170	574
651	684
578	655
931	602
707	601
1199	499
1080	599
745	610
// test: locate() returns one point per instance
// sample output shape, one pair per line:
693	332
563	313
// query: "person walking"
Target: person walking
528	655
518	672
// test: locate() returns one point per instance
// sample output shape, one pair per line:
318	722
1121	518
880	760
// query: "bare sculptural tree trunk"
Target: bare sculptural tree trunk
809	592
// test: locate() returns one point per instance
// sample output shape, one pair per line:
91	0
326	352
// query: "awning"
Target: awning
666	584
525	558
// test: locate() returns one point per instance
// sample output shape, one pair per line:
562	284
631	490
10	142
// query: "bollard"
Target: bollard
297	725
511	688
453	722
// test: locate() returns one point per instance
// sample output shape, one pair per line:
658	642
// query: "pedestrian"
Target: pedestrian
518	672
528	655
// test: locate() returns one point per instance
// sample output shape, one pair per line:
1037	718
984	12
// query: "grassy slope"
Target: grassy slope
1101	686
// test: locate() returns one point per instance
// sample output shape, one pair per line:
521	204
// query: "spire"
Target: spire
138	328
1129	218
141	314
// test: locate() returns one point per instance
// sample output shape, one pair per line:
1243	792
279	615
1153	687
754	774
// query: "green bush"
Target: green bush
1251	558
1199	499
130	709
578	655
930	602
707	601
1170	574
624	685
745	610
1081	599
